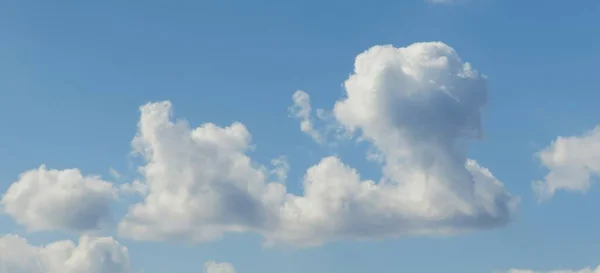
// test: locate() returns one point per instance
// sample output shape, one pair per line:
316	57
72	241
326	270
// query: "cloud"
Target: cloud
201	183
301	109
572	161
214	267
90	255
585	270
47	199
417	106
281	167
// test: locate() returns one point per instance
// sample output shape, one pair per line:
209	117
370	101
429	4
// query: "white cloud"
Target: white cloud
585	270
414	104
329	131
201	184
281	167
91	255
302	110
43	199
417	105
214	267
572	162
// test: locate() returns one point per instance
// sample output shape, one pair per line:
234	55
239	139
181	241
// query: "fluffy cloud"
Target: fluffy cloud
43	199
302	110
281	166
585	270
91	255
214	267
417	106
200	182
572	162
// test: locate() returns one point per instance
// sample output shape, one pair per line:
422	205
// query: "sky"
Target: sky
352	136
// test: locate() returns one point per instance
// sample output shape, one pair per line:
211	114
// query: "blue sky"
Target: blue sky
75	74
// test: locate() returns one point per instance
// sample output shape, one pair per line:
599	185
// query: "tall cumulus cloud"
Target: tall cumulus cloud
418	107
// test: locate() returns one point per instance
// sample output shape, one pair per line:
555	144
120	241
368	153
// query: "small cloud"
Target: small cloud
48	199
572	161
302	110
214	267
281	166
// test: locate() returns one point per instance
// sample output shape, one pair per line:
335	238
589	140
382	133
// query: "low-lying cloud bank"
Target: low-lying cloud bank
106	255
89	255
